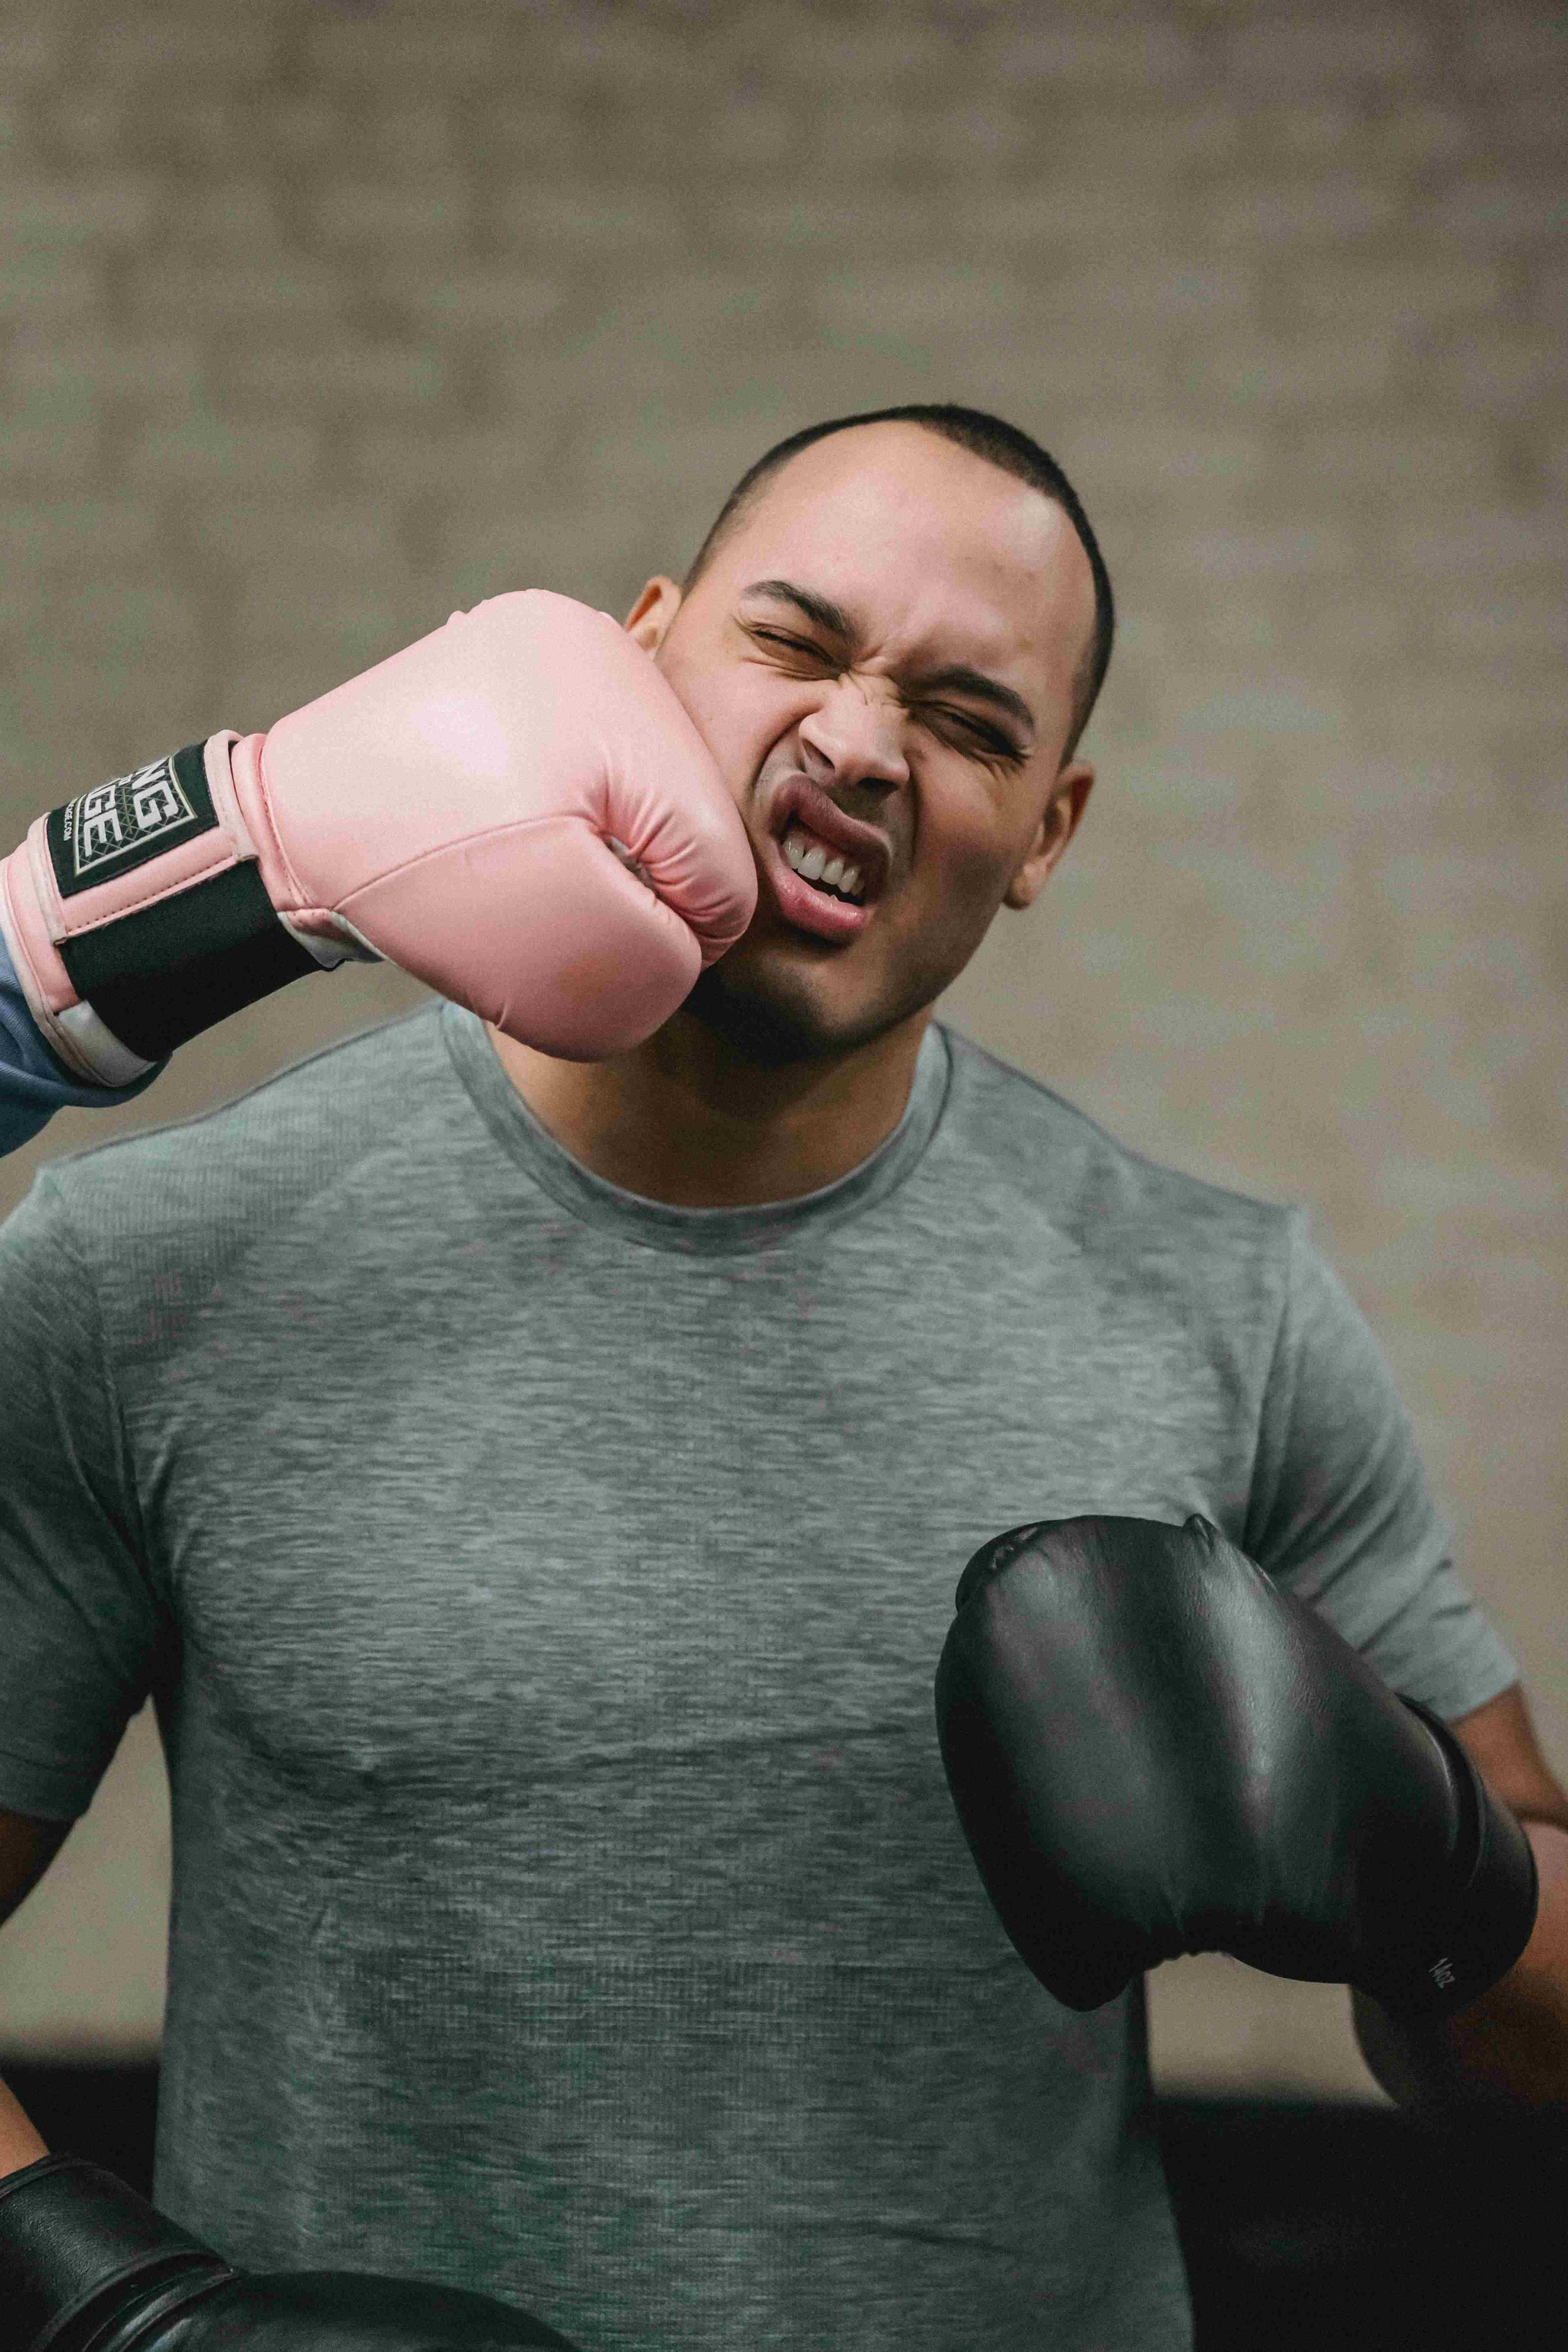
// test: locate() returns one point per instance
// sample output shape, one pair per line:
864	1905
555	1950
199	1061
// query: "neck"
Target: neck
687	1120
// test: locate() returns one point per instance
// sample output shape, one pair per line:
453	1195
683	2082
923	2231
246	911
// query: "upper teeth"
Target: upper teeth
815	862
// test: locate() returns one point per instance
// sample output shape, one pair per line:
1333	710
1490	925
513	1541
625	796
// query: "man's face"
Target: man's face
890	634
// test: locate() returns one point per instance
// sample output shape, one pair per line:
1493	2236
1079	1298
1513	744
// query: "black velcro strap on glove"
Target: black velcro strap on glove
160	975
72	2239
1489	1910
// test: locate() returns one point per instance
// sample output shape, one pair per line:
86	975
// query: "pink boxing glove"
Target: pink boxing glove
470	810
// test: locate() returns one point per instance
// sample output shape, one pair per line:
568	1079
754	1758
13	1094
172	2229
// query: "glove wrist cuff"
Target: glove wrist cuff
139	916
76	2244
1474	1938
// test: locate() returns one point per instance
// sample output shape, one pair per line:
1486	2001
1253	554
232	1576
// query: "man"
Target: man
531	1484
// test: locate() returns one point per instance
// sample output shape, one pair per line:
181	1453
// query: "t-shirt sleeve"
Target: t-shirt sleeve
80	1622
1341	1514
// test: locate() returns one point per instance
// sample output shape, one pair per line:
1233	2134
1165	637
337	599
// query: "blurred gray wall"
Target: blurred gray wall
322	320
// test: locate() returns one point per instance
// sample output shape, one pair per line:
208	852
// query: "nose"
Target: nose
856	731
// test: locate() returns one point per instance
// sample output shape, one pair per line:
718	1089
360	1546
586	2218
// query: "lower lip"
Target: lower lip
809	909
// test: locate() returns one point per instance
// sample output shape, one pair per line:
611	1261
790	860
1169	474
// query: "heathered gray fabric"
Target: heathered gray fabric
542	1590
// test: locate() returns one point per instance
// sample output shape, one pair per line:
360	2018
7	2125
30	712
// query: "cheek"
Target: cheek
966	854
740	715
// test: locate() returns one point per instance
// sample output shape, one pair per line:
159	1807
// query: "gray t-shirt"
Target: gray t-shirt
541	1590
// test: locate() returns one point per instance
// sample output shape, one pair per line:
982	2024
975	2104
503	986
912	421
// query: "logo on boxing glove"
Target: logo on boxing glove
128	820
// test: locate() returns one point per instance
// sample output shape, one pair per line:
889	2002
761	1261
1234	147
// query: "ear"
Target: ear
651	615
1068	797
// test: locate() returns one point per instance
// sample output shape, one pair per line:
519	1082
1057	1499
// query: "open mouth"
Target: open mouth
827	870
811	894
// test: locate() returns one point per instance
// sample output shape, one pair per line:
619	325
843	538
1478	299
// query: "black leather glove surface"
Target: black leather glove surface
87	2266
1155	1750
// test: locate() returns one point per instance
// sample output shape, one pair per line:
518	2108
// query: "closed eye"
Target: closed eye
998	746
795	644
994	745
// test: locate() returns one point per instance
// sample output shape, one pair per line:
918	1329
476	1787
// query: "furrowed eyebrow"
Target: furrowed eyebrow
830	617
954	677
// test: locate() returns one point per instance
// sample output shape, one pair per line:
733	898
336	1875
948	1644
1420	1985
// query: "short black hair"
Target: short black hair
985	437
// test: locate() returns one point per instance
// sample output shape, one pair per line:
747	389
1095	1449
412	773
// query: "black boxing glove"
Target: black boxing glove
1153	1750
86	2265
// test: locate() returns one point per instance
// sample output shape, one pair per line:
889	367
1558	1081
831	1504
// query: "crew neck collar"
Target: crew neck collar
659	1224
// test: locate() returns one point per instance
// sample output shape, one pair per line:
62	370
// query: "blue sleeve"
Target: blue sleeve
33	1084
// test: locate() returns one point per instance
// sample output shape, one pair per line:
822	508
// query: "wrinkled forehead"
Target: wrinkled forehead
934	552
